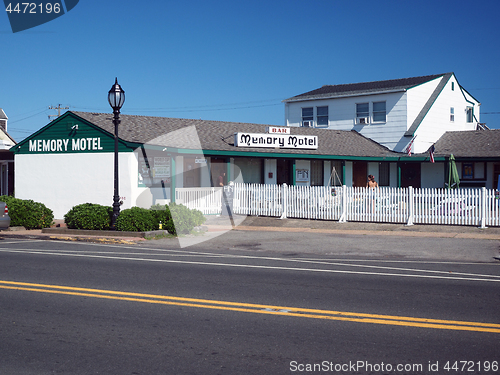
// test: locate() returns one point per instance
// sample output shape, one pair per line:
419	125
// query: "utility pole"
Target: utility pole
58	111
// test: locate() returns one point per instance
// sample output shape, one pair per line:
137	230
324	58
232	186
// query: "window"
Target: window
453	86
316	172
322	116
362	113
379	112
307	117
384	174
469	114
452	114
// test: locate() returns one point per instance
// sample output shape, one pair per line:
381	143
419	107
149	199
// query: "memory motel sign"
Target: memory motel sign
309	142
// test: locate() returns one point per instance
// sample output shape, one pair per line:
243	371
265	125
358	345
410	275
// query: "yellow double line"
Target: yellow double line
255	308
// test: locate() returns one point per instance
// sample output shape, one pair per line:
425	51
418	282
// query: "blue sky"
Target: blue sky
237	60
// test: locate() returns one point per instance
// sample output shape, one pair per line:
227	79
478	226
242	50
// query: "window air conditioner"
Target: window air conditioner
363	120
307	124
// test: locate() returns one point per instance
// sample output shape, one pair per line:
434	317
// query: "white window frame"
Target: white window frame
308	119
379	112
452	114
368	117
362	117
322	116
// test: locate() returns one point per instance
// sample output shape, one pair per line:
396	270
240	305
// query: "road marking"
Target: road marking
445	275
255	308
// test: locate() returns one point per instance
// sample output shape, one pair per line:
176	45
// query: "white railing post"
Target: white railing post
343	216
411	204
284	201
483	208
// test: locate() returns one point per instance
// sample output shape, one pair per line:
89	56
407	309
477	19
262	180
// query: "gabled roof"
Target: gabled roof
364	88
470	144
218	136
3	116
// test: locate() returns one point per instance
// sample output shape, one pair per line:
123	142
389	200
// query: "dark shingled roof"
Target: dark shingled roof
470	144
362	88
219	136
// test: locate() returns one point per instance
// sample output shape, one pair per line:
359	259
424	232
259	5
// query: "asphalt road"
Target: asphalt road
224	307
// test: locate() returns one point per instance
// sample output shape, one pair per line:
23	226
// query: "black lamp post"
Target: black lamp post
116	98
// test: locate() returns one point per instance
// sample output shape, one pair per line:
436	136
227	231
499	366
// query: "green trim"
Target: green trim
294	170
67	135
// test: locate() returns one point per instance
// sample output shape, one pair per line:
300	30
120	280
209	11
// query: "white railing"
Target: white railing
479	207
207	200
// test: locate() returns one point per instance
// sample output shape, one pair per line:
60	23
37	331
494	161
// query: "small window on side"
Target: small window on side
322	116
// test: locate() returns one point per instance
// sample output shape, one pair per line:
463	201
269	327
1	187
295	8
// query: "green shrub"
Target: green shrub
89	216
27	213
184	219
162	214
136	219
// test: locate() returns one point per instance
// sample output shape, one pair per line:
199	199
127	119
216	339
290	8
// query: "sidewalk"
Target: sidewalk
268	224
257	223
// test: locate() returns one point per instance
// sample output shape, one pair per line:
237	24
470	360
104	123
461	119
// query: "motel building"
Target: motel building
70	161
334	135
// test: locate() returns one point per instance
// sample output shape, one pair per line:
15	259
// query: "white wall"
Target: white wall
437	121
270	166
432	175
61	181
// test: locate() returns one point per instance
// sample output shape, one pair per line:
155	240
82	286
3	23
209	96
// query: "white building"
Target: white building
391	112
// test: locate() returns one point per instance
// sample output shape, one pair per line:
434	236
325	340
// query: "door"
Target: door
283	172
359	173
191	172
410	175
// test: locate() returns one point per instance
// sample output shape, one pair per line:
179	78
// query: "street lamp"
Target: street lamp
116	98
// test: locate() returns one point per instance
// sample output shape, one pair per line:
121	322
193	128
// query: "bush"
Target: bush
184	219
89	216
136	219
27	213
162	214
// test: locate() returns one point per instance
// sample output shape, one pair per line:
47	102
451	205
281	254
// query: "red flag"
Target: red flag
431	153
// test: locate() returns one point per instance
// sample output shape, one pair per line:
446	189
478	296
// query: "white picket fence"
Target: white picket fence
478	207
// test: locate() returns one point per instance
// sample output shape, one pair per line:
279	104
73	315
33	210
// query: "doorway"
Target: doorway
410	175
359	173
283	172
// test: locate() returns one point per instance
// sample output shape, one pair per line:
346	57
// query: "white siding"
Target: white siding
437	121
61	181
342	116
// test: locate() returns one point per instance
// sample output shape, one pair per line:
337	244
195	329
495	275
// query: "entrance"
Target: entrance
191	172
360	173
410	175
283	172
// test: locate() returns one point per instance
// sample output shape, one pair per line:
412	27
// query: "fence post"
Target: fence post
483	208
284	200
411	203
343	217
